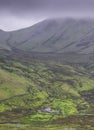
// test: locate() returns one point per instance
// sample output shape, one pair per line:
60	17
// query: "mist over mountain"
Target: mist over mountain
52	35
68	40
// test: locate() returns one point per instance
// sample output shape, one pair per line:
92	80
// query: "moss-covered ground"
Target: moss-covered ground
39	92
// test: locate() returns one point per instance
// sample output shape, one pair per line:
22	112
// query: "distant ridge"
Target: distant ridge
57	36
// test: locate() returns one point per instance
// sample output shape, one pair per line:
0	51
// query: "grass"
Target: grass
26	89
49	127
11	84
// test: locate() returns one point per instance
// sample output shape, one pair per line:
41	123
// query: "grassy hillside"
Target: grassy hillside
40	92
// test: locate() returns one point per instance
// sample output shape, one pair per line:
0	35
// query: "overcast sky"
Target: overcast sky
16	14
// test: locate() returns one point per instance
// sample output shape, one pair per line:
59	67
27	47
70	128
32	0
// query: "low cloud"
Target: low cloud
23	13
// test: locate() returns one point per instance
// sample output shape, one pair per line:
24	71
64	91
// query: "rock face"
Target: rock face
52	35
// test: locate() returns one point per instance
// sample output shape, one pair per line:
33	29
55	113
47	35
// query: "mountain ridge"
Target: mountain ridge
52	36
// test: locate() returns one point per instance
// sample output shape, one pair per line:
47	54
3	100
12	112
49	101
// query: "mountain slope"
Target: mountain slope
42	77
27	90
53	35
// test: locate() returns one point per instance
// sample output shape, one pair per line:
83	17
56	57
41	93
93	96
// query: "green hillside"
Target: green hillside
47	75
42	92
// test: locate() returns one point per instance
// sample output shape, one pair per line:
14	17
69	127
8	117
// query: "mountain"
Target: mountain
47	74
52	35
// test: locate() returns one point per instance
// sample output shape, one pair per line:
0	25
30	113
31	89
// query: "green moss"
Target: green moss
26	89
4	107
